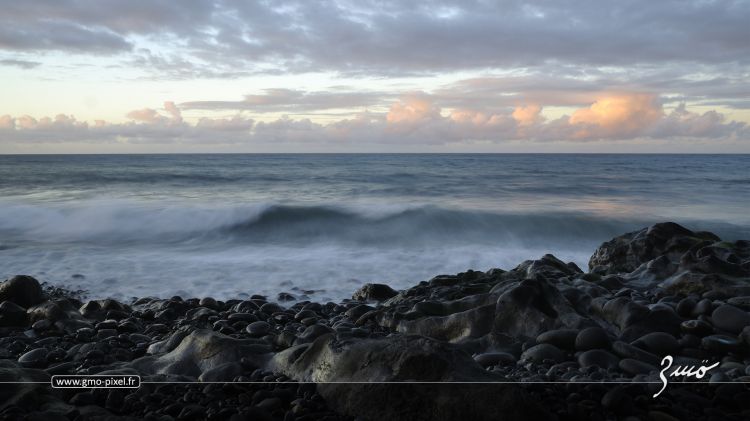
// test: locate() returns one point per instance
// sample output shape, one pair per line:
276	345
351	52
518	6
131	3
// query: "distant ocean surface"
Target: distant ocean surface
230	225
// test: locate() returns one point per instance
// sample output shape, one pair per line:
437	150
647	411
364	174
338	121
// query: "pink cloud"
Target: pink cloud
528	115
413	120
146	115
617	116
412	109
7	122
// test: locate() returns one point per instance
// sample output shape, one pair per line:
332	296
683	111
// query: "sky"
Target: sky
143	76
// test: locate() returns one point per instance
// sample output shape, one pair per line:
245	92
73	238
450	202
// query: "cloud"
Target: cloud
7	122
174	112
618	116
147	115
528	115
412	110
290	100
416	119
152	116
40	35
383	37
711	124
23	64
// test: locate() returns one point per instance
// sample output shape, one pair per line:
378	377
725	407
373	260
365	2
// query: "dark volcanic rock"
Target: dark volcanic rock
23	385
401	358
730	318
561	338
374	292
201	351
721	344
627	252
36	358
543	352
635	367
22	290
627	351
494	358
696	327
599	358
11	314
592	338
659	343
535	306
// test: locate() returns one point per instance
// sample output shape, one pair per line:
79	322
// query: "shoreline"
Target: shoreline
662	290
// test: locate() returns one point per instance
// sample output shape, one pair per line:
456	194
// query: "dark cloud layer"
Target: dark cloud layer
24	64
290	100
386	37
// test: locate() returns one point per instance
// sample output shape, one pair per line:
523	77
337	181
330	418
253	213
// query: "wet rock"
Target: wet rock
741	302
494	358
659	343
200	351
592	338
534	306
285	296
401	357
48	310
36	358
356	312
259	328
685	307
222	373
472	323
11	314
635	367
561	338
696	327
626	350
598	357
627	252
208	302
22	290
704	306
623	312
270	308
374	292
42	326
311	333
730	318
721	344
541	353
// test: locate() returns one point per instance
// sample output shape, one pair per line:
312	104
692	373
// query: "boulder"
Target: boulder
11	314
561	338
22	290
374	292
542	353
592	338
200	351
400	358
730	318
627	252
534	306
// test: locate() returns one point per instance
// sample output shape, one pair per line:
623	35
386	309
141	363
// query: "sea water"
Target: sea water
321	225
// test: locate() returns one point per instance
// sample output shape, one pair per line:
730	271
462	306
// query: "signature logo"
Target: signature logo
681	371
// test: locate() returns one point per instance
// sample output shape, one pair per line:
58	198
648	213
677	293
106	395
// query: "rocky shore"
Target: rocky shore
545	339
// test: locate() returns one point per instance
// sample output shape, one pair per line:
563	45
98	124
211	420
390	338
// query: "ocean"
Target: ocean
320	225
